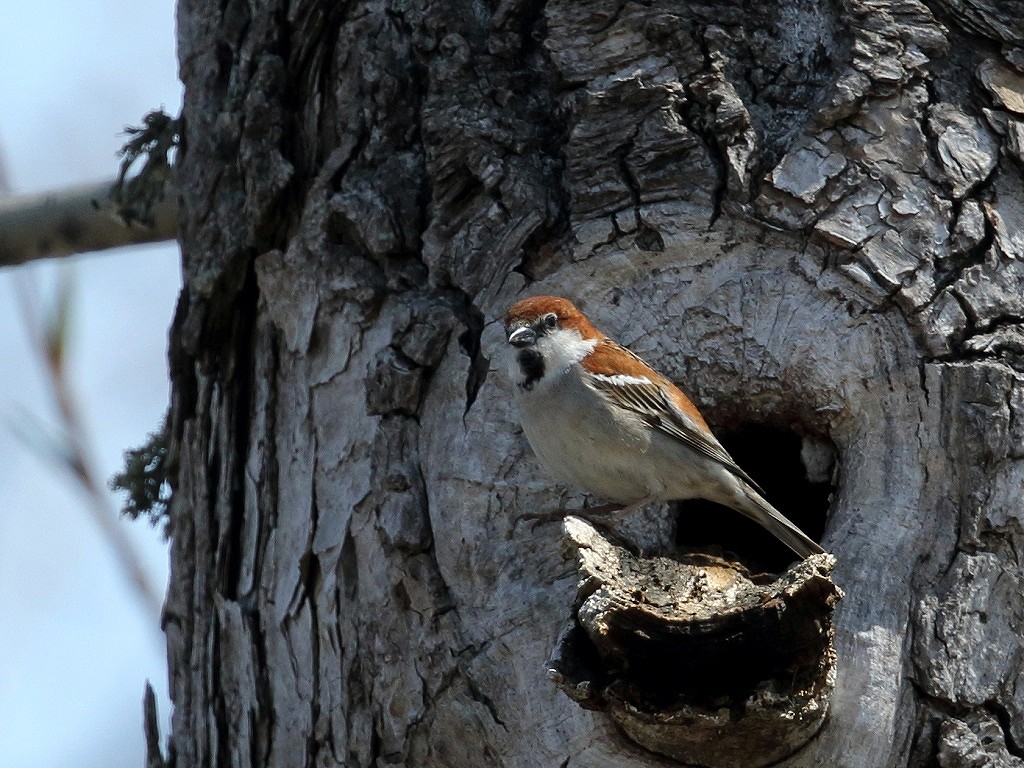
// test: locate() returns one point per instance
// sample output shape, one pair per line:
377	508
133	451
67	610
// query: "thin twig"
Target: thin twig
50	340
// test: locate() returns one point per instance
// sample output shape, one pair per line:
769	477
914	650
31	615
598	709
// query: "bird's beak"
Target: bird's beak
523	336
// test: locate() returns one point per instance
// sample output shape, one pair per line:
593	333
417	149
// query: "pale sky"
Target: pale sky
75	647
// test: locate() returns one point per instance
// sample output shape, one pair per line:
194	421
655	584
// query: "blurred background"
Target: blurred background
76	643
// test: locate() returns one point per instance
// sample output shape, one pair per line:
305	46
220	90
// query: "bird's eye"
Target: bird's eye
551	320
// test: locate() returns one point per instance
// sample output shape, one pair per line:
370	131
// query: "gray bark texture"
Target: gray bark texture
808	214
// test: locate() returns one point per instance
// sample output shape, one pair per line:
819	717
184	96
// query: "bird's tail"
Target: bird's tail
773	521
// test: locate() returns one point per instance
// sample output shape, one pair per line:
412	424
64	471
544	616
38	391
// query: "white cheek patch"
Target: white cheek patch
563	348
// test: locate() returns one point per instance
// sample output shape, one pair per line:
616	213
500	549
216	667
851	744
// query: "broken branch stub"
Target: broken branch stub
695	658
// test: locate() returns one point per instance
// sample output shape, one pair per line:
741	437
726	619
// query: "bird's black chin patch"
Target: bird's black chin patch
531	363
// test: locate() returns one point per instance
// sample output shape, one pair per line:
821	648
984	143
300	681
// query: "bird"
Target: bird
600	418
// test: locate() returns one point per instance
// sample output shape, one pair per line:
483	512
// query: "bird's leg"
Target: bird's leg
608	512
601	510
536	518
539	518
618	511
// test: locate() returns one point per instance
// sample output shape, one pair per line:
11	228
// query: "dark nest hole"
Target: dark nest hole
723	663
772	457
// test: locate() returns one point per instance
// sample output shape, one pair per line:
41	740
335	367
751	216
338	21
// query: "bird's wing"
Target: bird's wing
652	402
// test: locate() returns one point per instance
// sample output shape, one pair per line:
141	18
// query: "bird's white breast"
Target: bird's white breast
608	451
576	435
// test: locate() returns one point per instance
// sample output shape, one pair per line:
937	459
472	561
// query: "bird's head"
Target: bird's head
546	335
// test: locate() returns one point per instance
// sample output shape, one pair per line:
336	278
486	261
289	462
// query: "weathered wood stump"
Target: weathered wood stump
694	657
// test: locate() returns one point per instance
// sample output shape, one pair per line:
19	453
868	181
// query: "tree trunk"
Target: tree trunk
808	214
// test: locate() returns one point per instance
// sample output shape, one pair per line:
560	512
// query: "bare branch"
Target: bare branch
76	220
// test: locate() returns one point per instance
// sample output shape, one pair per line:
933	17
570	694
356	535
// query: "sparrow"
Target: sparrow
600	418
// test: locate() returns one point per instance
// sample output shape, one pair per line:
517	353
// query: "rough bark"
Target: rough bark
809	214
